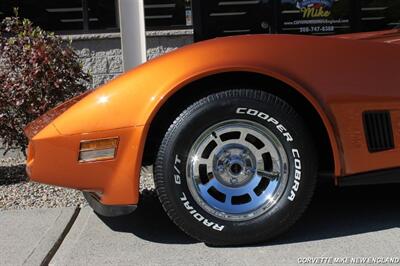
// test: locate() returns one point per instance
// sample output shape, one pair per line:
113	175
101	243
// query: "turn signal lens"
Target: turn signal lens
98	150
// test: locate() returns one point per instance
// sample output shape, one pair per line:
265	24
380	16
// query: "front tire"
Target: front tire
236	167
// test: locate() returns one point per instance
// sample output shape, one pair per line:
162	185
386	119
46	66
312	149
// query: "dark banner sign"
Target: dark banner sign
315	16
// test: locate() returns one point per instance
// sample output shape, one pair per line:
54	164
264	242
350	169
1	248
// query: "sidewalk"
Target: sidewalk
351	223
26	237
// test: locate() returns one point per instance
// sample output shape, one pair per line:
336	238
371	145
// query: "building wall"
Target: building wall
101	54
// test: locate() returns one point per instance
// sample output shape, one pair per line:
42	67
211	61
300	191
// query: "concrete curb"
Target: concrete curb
72	238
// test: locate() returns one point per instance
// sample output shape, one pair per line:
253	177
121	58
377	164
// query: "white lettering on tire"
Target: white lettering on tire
288	136
297	175
177	176
266	117
196	215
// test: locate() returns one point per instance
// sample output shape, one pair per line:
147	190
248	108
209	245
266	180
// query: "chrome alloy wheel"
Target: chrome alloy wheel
237	170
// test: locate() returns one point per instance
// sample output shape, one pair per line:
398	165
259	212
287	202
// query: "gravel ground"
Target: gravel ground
16	193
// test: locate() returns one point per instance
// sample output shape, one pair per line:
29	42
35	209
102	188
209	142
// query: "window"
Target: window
65	16
232	17
86	16
160	14
102	15
379	15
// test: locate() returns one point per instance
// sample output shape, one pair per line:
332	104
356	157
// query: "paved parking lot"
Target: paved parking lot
358	222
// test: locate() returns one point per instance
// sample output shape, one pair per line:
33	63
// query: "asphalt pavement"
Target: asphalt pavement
342	224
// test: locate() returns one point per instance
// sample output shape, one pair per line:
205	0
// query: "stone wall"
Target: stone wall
101	54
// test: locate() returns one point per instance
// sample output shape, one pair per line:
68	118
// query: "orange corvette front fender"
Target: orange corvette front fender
134	98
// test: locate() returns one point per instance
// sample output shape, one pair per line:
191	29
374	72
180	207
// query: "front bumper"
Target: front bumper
53	159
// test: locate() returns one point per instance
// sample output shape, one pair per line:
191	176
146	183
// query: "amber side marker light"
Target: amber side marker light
98	150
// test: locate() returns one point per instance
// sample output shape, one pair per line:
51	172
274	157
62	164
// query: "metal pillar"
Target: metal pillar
133	36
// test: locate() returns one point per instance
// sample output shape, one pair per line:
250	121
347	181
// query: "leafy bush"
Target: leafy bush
38	70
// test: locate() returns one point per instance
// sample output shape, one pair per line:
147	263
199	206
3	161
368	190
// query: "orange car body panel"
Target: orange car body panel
341	76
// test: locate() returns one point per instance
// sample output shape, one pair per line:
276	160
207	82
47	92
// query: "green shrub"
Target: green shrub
38	70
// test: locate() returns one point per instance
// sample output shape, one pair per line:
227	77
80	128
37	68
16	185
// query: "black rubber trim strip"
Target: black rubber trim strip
59	241
388	176
108	210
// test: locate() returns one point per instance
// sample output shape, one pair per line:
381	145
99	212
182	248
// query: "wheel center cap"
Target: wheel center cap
233	165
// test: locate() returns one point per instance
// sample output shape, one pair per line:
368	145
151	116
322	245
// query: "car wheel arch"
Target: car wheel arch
188	92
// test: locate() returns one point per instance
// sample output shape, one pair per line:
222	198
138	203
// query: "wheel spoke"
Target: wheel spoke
243	135
253	196
268	148
217	139
271	175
